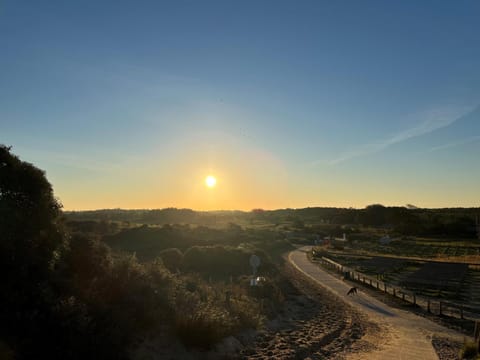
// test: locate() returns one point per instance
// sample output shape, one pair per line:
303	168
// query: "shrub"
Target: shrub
206	313
201	329
5	352
222	262
207	260
172	259
469	350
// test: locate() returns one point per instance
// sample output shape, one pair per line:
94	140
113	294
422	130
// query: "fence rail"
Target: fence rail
434	306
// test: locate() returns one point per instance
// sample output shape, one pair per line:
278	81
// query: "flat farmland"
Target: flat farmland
461	250
438	280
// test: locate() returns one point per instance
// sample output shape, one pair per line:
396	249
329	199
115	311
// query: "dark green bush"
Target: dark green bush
172	259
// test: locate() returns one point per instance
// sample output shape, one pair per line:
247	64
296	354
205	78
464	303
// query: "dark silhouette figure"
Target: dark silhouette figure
352	291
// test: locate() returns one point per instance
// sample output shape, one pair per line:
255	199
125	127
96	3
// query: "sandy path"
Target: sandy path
409	336
312	325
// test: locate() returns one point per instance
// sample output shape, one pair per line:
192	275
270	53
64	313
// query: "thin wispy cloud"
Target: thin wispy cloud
430	121
71	160
82	163
456	143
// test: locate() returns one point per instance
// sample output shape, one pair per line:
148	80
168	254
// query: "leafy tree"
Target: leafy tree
29	213
374	215
31	242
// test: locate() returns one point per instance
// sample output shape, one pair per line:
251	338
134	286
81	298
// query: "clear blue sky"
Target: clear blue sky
289	104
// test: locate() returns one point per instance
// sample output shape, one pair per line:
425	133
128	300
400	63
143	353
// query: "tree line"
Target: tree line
404	220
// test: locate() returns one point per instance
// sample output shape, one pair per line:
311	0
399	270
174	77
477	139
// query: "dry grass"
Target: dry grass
469	351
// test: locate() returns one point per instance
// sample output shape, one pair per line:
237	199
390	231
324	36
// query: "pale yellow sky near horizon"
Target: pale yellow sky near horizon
248	177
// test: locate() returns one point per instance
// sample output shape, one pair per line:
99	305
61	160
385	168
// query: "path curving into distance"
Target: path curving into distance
409	335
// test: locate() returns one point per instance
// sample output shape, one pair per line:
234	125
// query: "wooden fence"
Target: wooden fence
434	306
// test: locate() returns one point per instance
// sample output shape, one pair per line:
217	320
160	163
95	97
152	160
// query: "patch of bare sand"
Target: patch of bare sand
314	324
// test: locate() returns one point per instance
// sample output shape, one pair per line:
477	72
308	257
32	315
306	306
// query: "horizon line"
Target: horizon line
273	209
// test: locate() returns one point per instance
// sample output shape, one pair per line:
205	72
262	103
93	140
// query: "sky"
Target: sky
131	104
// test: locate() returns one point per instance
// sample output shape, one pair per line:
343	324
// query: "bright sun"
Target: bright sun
210	181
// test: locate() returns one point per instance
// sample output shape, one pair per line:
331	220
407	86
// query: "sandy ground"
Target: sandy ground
314	325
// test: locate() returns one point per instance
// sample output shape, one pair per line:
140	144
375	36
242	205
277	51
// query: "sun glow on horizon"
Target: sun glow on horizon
210	181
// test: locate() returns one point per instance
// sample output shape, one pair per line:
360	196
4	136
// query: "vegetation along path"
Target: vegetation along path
404	335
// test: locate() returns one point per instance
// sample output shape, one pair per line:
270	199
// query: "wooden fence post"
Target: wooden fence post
385	286
440	311
403	296
476	331
461	312
414	299
428	305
